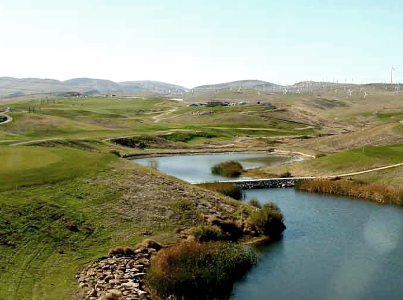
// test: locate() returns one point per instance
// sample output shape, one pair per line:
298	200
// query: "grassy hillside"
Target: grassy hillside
78	205
353	160
105	118
22	166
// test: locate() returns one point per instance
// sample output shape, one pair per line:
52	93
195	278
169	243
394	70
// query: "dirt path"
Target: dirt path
371	170
36	141
8	118
161	117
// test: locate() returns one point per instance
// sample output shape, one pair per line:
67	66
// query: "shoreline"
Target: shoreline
220	151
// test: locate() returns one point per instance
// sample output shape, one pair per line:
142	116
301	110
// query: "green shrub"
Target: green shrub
199	271
255	203
227	189
285	175
207	233
228	169
185	137
269	219
115	152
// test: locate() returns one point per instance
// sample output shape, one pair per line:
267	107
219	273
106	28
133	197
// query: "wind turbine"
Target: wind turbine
391	74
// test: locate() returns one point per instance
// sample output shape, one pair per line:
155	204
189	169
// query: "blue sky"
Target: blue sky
200	42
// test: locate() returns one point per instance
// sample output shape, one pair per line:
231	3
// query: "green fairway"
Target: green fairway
26	166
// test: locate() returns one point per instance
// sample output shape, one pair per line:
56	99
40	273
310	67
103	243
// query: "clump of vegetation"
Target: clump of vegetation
115	152
140	142
255	203
121	251
285	175
185	137
207	233
199	271
228	169
227	189
268	219
354	189
320	155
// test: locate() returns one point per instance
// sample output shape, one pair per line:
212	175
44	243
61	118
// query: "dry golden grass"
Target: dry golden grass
373	192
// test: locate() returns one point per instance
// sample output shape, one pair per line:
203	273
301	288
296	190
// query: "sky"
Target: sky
199	42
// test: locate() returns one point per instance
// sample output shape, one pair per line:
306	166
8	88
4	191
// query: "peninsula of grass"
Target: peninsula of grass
360	190
228	169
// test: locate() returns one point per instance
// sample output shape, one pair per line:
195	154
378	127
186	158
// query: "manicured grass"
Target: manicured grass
354	160
27	166
359	159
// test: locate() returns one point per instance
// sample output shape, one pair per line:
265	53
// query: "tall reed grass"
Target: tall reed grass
374	192
191	270
227	189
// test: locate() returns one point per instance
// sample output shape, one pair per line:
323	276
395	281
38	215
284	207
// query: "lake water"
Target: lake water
197	168
333	248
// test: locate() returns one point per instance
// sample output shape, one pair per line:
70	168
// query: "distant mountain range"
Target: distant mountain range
27	86
10	87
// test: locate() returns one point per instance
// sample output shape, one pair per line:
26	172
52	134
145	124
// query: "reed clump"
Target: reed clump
227	169
192	270
360	190
225	188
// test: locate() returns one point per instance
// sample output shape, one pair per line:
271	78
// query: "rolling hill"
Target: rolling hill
243	84
101	85
151	86
14	87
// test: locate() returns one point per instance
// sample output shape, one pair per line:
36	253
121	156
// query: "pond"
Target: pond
333	247
197	168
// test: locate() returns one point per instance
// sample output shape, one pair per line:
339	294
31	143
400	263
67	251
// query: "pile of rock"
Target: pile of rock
118	276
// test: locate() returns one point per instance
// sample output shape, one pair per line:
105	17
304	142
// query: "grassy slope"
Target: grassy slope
101	118
40	252
22	166
343	162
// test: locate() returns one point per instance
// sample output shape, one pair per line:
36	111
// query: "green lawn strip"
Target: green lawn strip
354	160
360	159
26	166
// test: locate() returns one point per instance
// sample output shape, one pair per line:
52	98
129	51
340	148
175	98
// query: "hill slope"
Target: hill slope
101	85
151	86
243	84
